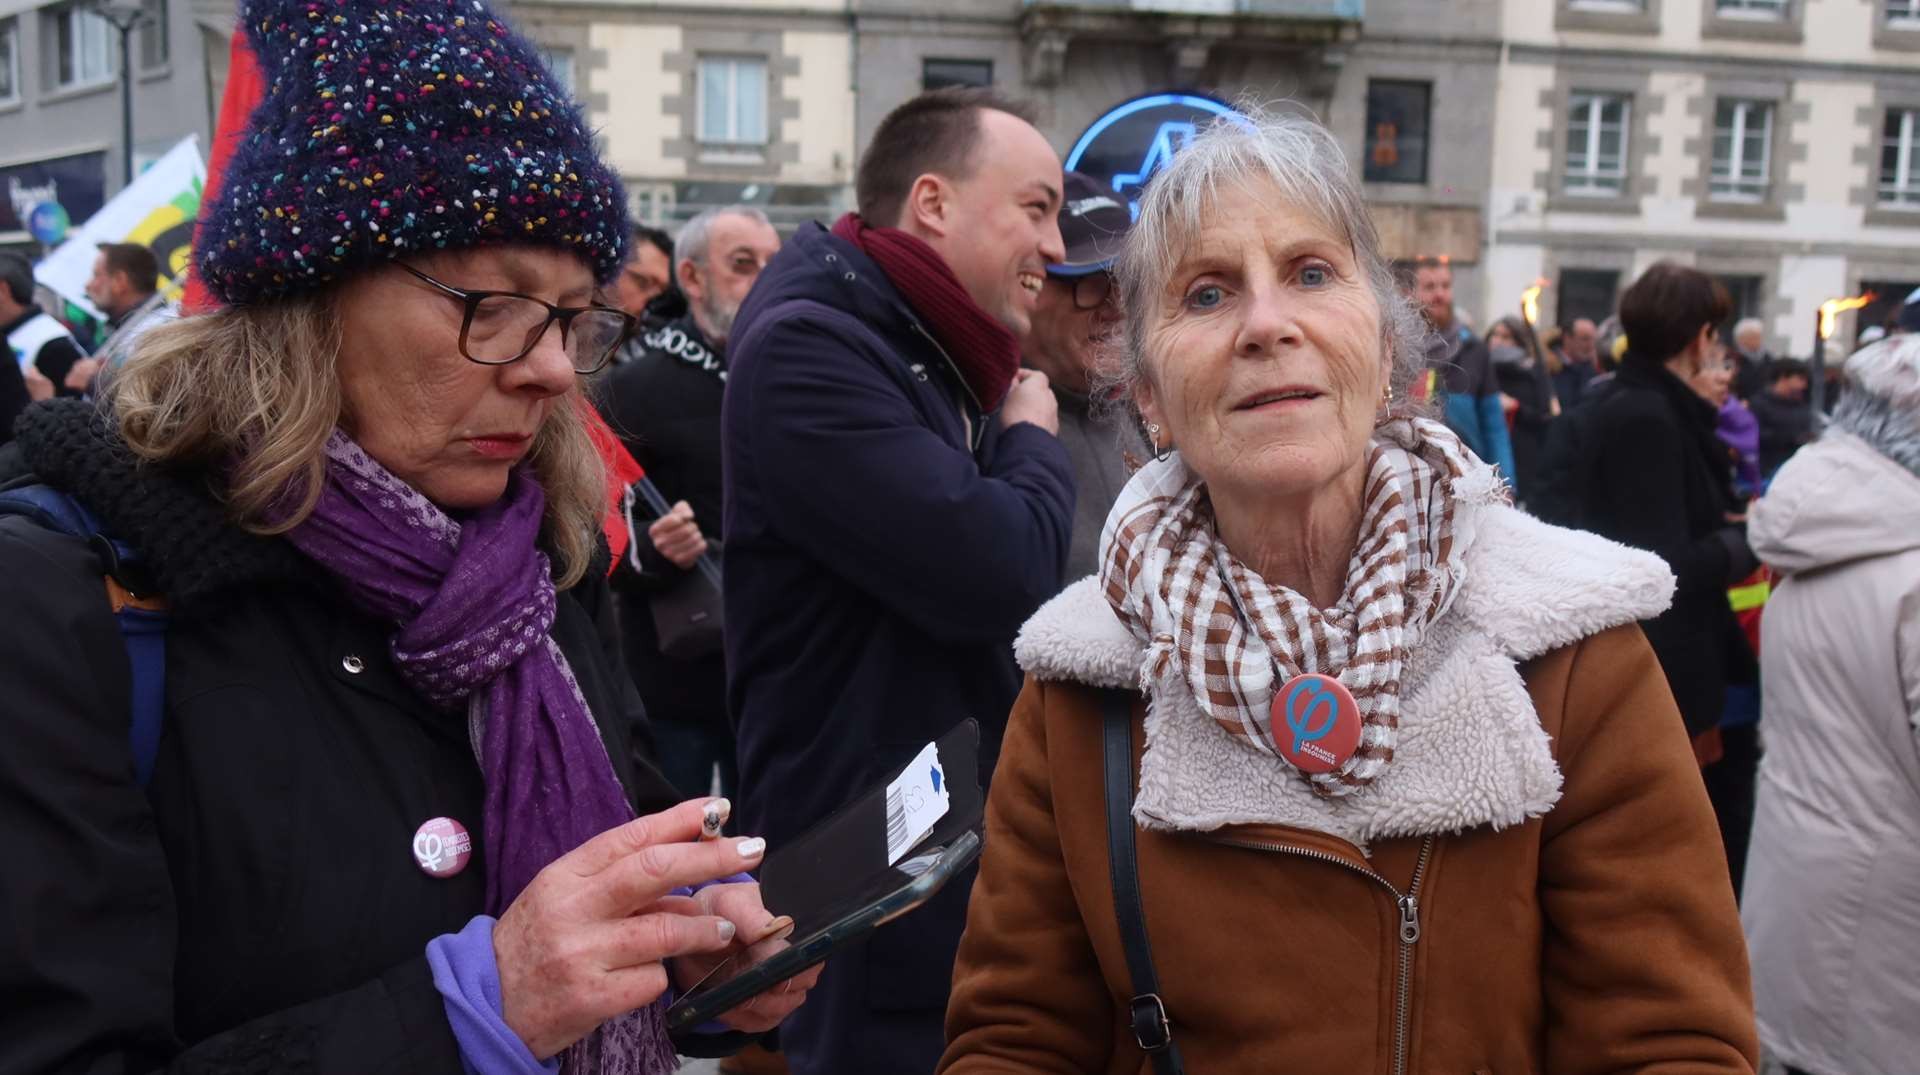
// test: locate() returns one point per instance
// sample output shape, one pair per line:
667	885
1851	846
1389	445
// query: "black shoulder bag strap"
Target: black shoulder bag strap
1151	1030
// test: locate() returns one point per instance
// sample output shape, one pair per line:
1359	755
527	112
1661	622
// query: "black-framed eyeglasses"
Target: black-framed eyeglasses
1089	291
501	327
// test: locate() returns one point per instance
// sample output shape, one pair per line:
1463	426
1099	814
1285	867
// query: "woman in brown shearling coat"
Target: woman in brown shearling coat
1470	836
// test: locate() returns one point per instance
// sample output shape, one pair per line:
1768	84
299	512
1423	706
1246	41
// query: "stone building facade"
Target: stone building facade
1773	143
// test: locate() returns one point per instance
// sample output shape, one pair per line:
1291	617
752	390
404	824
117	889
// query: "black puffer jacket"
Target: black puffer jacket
258	907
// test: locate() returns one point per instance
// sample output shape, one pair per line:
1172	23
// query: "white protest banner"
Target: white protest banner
157	210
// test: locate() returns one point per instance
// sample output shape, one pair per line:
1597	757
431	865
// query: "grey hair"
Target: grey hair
1748	324
1296	156
696	234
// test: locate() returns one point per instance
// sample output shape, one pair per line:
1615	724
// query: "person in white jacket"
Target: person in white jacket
1831	903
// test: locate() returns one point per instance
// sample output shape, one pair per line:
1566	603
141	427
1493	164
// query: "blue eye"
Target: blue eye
1206	298
1316	276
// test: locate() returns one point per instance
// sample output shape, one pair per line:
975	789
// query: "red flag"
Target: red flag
622	469
245	88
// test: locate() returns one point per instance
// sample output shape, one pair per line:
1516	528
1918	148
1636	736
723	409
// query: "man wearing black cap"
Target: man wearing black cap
1078	314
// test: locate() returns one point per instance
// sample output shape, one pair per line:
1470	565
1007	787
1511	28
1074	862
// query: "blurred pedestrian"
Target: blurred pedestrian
1833	883
1736	427
374	809
1579	361
1077	315
35	340
1641	463
125	285
1751	359
1520	369
1784	412
1482	846
647	273
1461	377
897	505
665	404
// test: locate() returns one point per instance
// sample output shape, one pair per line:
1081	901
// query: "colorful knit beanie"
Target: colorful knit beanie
395	127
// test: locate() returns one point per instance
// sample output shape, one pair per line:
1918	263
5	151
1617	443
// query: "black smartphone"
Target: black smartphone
821	930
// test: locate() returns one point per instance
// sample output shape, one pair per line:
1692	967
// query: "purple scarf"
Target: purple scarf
472	604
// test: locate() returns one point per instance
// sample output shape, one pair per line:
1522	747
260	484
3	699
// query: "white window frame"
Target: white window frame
1752	10
1621	7
1730	183
1591	181
107	40
1901	14
1901	191
152	29
731	136
10	62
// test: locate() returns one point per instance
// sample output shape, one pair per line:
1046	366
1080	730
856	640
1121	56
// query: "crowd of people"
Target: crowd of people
1549	698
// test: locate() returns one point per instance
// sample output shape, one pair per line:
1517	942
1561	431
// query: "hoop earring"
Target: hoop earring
1160	455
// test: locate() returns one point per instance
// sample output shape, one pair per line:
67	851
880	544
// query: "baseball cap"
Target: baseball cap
1093	224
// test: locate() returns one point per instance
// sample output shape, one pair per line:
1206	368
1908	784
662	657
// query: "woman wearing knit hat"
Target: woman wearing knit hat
388	819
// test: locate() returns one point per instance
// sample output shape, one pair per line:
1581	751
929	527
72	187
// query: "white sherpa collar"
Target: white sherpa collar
1471	749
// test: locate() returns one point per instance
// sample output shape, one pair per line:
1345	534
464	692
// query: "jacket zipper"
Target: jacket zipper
976	431
1407	903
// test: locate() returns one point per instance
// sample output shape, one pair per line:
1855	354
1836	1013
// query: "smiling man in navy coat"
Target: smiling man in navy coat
897	504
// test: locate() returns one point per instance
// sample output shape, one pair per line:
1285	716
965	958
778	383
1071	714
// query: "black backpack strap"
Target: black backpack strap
1151	1030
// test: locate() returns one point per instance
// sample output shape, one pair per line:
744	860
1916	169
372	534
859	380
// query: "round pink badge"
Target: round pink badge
442	847
1315	723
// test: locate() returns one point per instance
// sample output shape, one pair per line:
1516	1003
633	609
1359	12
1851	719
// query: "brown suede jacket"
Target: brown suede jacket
1597	933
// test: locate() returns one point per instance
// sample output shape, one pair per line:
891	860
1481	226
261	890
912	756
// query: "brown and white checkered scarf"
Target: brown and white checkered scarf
1162	568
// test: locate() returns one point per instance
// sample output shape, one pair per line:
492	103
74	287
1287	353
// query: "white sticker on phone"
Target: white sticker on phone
916	799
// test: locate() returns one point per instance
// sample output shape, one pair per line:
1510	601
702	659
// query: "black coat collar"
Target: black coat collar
188	545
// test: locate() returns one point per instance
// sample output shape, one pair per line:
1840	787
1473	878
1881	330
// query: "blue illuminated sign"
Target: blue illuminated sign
1128	144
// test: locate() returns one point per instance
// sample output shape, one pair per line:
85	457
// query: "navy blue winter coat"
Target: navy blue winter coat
885	541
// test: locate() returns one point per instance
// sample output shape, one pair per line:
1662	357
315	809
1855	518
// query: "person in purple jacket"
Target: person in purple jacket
1738	429
896	505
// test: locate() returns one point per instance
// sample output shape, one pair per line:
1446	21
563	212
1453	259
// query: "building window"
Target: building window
733	101
1903	14
1627	7
1746	295
82	47
1900	160
939	74
153	34
560	65
9	61
1742	151
1774	10
1397	116
1588	293
1597	144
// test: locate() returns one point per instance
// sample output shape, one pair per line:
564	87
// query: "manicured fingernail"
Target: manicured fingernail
777	929
750	848
726	931
713	817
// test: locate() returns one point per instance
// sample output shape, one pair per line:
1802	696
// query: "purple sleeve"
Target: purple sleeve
469	984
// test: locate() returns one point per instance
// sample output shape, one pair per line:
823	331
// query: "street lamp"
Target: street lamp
123	15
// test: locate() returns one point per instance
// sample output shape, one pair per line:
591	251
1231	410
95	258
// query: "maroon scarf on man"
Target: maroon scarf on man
986	352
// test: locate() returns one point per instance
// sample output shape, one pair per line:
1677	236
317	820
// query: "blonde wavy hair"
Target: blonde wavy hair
255	390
